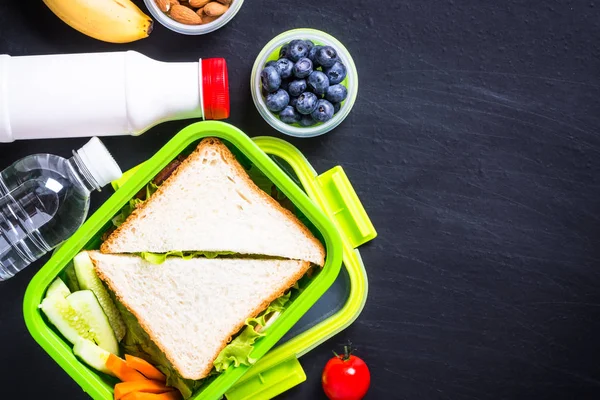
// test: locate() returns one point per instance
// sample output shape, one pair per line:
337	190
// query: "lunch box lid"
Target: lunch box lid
279	370
100	386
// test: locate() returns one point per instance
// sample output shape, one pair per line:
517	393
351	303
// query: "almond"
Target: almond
199	3
201	14
214	9
207	19
225	2
185	15
174	2
164	5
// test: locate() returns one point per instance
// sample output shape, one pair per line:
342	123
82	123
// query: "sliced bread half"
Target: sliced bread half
191	308
210	204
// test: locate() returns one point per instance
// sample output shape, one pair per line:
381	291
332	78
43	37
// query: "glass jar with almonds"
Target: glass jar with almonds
193	17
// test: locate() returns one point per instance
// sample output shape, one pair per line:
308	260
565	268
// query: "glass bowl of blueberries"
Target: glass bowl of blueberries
304	82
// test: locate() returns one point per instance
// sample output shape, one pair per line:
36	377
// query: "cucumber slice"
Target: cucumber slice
92	355
58	288
64	317
71	278
87	278
87	306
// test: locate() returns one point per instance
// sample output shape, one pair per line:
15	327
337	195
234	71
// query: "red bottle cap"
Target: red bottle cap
215	88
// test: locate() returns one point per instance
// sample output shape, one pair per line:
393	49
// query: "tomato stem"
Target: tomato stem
347	351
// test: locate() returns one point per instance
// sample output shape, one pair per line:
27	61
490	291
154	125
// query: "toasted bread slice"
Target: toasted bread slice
210	204
191	308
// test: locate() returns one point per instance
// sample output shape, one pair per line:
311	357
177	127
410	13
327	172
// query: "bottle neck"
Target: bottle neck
82	173
175	92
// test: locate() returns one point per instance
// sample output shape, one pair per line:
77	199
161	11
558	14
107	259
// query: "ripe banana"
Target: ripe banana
114	21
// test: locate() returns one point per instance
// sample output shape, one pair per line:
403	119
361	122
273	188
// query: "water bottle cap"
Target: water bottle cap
215	88
99	162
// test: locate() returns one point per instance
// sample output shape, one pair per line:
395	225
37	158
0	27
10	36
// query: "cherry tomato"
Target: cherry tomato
346	377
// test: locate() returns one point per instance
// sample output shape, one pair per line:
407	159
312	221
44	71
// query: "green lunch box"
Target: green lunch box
279	370
100	386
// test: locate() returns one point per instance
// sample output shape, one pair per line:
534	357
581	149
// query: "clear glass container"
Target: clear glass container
271	52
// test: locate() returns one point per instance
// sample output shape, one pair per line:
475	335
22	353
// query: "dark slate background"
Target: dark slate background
474	145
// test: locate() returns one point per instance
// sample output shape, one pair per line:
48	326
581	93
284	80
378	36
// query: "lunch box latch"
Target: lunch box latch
270	382
345	207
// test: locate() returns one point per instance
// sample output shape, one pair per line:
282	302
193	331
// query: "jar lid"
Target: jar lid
215	88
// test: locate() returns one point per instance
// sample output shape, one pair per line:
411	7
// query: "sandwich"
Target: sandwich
201	263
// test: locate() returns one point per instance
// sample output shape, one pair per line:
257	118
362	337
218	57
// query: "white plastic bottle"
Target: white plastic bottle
45	198
105	94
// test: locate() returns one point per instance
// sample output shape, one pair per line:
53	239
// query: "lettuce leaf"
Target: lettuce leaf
150	189
238	351
159	258
133	203
125	212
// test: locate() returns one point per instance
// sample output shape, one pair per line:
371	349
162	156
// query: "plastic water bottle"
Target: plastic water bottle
45	198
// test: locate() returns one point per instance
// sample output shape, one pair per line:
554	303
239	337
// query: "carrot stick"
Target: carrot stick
124	388
143	366
118	367
174	395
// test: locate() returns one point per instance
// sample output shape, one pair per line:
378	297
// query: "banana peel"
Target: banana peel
113	21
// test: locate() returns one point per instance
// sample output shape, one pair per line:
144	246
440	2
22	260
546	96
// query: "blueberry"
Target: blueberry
297	87
312	55
271	63
289	115
285	83
336	73
270	79
284	67
303	68
326	56
284	50
309	44
336	107
298	49
307	103
307	120
278	100
293	101
318	82
323	112
336	93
